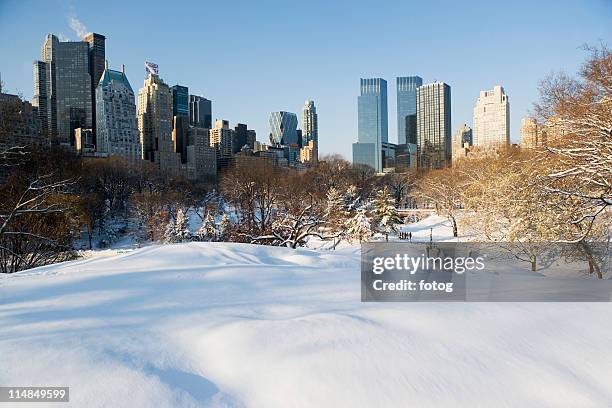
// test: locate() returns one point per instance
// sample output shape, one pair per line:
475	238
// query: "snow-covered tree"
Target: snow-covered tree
181	227
359	226
177	229
336	214
208	230
444	189
576	113
386	213
351	197
170	236
335	209
223	225
292	229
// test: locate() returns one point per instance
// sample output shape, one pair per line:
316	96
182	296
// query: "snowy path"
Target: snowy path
211	324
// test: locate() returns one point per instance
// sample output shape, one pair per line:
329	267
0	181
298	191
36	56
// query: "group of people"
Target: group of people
405	235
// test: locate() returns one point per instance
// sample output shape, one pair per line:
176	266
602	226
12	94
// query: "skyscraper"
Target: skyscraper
283	128
462	140
180	100
372	123
97	64
492	118
200	111
63	88
180	121
221	138
241	137
434	148
24	124
310	129
40	99
116	116
406	108
155	123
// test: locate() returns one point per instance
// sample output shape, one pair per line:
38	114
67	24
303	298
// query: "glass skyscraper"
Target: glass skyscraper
372	129
97	61
63	87
200	111
180	100
434	148
283	128
406	108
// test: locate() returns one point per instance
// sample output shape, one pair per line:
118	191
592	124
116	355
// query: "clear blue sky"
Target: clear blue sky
254	57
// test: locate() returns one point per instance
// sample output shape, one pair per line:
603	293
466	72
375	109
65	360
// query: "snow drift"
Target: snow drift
217	324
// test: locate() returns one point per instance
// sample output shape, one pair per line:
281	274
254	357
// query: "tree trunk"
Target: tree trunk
532	259
593	266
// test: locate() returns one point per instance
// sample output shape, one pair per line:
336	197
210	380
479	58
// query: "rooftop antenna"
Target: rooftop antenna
0	82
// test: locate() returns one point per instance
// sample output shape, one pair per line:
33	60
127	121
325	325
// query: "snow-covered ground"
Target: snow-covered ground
218	324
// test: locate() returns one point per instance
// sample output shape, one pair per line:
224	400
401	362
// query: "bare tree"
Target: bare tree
33	222
579	148
444	189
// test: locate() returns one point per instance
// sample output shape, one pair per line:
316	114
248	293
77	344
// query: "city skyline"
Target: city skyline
248	93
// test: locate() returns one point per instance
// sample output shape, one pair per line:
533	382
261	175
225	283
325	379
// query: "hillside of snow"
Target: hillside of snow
232	325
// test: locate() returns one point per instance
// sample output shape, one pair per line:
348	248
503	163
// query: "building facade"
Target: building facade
155	124
20	124
221	139
63	89
283	128
372	120
310	130
180	100
200	111
117	127
492	118
434	125
406	108
307	153
462	141
97	64
201	157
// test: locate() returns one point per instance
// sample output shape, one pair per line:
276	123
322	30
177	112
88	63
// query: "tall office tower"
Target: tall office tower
180	100
299	136
97	61
434	148
180	124
406	108
310	129
372	129
201	157
200	111
529	133
221	138
40	96
117	127
180	135
241	137
251	138
155	123
65	88
22	128
462	140
492	118
283	128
